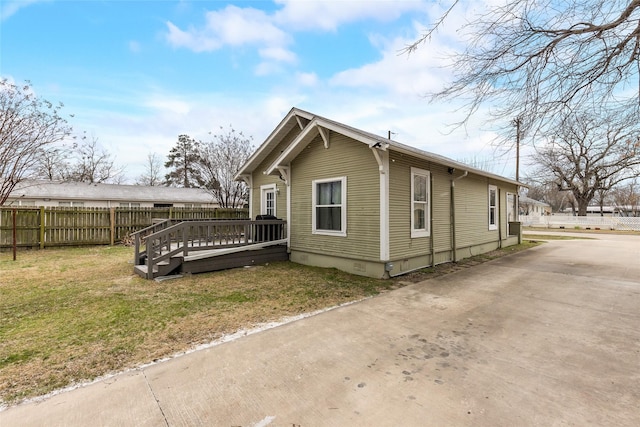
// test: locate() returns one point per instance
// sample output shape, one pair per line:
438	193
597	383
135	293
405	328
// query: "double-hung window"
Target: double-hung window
493	207
329	215
420	189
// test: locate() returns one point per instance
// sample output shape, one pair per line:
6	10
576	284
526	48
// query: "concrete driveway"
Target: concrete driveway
547	337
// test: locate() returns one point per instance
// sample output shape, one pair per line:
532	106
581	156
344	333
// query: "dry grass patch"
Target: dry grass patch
69	315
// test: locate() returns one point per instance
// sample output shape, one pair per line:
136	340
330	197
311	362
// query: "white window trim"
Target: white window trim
343	206
493	226
426	232
263	205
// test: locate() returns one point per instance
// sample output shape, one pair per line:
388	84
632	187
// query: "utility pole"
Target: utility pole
517	121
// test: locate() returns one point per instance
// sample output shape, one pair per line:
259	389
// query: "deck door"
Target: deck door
268	200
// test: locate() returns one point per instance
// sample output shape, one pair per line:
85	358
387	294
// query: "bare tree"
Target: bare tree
537	59
183	162
54	164
94	164
28	127
588	154
627	197
221	159
152	175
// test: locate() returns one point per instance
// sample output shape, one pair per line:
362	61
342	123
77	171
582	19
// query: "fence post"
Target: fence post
112	223
42	227
14	237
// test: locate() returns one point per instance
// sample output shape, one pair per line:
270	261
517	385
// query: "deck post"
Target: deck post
185	239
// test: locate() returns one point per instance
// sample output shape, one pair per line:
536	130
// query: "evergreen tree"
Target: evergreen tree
183	161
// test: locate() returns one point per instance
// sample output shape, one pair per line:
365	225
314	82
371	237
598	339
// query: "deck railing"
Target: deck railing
169	238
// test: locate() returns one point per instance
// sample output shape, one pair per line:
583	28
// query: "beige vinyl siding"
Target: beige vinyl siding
260	179
344	157
441	199
472	212
472	215
401	245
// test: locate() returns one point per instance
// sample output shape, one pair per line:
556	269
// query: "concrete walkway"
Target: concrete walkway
546	337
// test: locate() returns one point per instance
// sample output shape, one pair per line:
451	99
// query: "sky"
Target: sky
136	74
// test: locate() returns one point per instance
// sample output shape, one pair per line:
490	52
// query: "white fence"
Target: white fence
584	222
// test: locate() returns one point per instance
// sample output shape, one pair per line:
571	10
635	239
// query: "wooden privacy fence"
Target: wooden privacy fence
40	227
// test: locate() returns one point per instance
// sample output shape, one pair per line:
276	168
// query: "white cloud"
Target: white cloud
307	79
168	105
193	40
328	15
9	8
278	54
413	75
237	26
267	68
231	26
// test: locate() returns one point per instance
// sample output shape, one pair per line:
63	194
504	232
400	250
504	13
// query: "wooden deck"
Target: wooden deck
197	246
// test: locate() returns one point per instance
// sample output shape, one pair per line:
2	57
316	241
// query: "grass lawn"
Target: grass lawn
535	237
74	314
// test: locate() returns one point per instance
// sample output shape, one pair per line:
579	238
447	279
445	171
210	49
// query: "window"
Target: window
493	207
193	205
420	190
71	204
329	215
129	205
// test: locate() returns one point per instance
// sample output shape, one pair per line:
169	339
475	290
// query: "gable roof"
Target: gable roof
313	125
61	190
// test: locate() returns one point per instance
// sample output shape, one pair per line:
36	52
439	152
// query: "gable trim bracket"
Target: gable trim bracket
324	133
374	149
284	173
246	178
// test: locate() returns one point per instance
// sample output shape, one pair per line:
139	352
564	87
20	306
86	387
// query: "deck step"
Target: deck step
163	268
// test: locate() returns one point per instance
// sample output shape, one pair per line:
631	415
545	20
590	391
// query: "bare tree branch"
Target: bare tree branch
538	59
28	127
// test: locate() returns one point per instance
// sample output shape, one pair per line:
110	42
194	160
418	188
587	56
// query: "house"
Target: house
373	206
533	207
82	194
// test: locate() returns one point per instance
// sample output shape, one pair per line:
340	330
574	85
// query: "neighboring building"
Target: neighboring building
611	211
372	206
82	194
533	207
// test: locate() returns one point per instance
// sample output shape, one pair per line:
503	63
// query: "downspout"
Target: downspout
454	245
431	232
499	208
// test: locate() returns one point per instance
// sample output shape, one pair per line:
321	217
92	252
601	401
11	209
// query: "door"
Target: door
268	200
